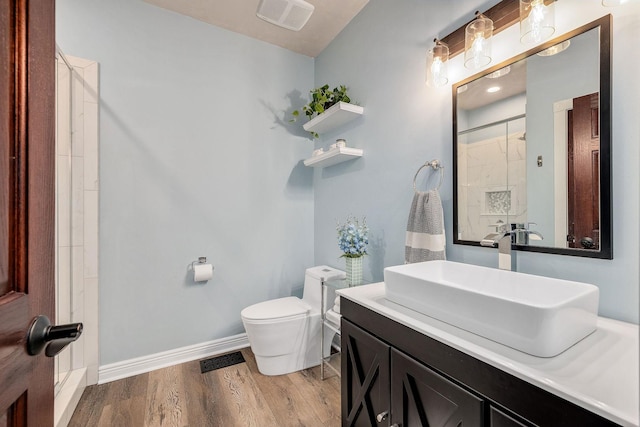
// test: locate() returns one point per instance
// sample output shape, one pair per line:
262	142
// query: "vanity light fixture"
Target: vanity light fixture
537	20
477	42
437	58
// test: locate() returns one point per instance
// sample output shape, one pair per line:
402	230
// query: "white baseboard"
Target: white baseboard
140	365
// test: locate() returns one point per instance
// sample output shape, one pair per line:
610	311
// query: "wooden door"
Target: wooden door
27	192
584	174
365	378
420	397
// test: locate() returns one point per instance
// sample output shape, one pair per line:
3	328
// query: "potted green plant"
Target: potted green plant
322	98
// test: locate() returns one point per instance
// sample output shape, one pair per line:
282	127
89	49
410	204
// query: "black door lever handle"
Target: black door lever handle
53	339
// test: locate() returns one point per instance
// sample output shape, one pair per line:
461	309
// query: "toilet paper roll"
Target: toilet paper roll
202	272
336	305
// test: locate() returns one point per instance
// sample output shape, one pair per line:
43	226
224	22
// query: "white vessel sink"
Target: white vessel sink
538	315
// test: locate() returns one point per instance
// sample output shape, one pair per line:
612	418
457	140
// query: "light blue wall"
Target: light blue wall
380	56
545	88
195	160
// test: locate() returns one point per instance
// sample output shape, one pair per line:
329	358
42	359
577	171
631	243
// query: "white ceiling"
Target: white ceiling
476	95
326	22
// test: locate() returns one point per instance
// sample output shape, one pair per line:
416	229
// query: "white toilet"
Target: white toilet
285	333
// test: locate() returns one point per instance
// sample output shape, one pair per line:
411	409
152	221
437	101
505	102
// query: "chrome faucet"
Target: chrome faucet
504	241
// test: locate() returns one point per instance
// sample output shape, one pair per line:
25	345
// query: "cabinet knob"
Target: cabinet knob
382	416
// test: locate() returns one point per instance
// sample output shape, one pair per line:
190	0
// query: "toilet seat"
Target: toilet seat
279	309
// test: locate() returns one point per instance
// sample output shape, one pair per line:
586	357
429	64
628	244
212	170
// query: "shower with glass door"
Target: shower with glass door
76	231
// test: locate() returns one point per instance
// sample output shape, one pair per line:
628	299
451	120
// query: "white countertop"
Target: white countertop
600	373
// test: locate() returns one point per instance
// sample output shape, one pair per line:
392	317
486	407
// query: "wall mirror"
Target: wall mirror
532	147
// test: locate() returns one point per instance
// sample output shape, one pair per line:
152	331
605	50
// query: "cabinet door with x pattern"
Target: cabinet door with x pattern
365	378
423	398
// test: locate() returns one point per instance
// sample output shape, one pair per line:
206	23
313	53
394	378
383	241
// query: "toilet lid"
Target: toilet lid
276	309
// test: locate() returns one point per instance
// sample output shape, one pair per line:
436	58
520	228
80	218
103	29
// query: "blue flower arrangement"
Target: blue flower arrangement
353	238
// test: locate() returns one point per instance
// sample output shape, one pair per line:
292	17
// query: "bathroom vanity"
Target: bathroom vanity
402	368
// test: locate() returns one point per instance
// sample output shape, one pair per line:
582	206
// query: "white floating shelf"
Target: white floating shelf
335	116
333	157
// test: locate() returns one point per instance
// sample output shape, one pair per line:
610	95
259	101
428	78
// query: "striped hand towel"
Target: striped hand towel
425	229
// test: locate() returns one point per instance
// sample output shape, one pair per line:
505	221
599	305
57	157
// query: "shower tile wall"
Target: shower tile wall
492	185
85	192
77	198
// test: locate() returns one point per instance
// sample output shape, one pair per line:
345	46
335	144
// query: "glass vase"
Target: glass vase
354	271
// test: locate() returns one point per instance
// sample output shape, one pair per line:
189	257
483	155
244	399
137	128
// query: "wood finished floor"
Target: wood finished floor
238	395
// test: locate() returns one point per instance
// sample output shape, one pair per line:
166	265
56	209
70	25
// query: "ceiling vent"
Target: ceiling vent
289	14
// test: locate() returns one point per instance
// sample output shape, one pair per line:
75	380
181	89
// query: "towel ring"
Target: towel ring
433	164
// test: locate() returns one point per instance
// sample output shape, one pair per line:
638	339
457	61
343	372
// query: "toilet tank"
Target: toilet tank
313	285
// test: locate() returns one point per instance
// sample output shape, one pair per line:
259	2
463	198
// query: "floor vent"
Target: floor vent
221	361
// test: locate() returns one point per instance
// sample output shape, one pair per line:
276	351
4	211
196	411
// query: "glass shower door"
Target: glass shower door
76	211
64	209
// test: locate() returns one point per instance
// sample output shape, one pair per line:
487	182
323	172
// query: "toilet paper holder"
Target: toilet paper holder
201	260
202	271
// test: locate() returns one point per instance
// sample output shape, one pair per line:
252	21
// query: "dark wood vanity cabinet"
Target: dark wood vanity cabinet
422	397
393	375
497	418
365	377
378	380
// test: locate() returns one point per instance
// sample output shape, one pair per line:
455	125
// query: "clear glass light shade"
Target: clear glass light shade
613	3
556	49
537	21
437	60
477	42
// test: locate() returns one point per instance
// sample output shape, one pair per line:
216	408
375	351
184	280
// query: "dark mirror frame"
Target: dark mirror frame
606	228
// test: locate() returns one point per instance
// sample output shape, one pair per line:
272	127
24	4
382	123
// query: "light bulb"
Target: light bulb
477	48
436	68
477	42
537	17
437	75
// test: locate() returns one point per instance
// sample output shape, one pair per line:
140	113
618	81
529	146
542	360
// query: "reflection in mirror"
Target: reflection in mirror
532	148
491	177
